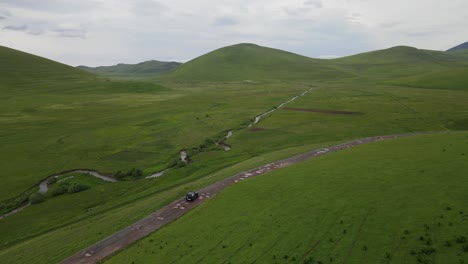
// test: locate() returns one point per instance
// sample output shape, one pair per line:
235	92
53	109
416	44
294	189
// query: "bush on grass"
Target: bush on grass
76	187
51	181
59	189
36	198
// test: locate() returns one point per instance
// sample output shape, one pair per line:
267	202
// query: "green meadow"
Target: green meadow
55	118
376	203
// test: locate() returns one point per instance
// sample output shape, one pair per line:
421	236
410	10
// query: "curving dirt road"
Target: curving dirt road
169	213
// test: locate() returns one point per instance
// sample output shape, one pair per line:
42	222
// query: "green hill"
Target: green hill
400	61
143	69
461	53
20	68
252	62
408	66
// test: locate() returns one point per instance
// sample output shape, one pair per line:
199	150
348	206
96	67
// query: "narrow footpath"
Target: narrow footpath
174	210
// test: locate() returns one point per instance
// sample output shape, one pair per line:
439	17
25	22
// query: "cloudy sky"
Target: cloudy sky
105	32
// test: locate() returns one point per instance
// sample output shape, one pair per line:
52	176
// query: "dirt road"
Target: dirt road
169	213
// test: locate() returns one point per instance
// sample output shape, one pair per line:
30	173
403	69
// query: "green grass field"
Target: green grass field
111	125
54	118
386	202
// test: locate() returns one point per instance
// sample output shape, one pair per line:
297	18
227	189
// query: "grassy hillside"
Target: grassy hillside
411	67
401	201
18	69
255	63
456	79
143	69
400	61
462	53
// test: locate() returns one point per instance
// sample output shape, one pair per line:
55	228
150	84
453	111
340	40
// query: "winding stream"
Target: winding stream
257	118
43	188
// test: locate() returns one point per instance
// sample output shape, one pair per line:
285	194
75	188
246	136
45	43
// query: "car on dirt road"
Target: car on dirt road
191	196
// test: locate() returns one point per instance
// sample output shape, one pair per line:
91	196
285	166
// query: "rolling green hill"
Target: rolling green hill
462	53
411	67
252	62
20	68
400	61
143	69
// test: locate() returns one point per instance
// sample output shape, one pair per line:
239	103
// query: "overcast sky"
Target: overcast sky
105	32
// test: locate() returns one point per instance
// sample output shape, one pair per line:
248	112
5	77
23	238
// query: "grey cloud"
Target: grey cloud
53	6
314	3
35	30
148	7
70	33
422	33
4	14
389	24
226	21
16	28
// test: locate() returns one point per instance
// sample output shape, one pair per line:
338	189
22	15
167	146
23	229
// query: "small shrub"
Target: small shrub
180	163
447	243
59	189
137	173
429	242
465	248
460	239
423	259
51	181
388	255
427	250
36	198
364	248
119	175
74	188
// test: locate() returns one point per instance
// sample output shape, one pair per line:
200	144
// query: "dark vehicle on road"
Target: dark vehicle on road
191	196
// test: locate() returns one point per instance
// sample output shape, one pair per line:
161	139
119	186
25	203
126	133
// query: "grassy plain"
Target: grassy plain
386	202
51	125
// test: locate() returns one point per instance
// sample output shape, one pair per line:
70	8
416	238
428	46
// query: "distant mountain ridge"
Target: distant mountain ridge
142	69
248	61
463	46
